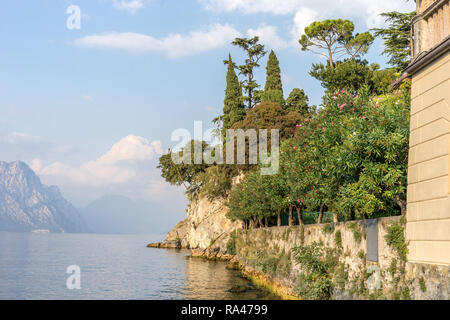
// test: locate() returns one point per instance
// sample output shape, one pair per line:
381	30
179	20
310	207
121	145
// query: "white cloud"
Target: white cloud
131	5
285	79
23	146
18	138
174	45
303	18
128	168
119	165
268	36
367	10
251	6
86	97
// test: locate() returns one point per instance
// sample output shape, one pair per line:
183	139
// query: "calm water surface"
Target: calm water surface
33	266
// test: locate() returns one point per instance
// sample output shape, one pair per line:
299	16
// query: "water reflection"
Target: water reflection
211	280
33	266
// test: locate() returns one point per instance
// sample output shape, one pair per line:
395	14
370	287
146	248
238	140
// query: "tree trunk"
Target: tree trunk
330	58
320	218
266	221
335	218
299	214
402	204
279	219
250	91
253	223
291	217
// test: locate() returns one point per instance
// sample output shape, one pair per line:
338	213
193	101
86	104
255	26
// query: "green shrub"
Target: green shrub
314	280
395	238
215	181
423	286
328	228
361	255
231	244
266	263
338	239
355	228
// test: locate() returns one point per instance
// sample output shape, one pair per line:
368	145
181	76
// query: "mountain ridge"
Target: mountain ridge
116	214
26	204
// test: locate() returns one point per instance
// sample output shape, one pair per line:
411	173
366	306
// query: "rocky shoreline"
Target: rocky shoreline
257	278
206	233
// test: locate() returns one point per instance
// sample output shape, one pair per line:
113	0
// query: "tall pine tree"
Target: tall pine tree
273	90
255	52
233	108
397	38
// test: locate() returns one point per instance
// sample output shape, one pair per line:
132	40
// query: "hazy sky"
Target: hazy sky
91	109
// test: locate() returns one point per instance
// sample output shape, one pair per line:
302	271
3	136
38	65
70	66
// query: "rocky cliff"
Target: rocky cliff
206	227
26	204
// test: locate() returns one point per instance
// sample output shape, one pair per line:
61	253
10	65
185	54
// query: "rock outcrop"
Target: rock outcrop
206	230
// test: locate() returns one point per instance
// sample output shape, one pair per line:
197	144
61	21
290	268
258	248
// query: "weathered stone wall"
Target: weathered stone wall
269	250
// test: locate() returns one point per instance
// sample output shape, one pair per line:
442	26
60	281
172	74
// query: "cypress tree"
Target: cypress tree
233	108
273	79
273	90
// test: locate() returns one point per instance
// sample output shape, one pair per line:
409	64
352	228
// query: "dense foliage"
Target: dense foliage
298	101
273	90
233	106
350	157
397	38
353	75
332	38
346	159
255	52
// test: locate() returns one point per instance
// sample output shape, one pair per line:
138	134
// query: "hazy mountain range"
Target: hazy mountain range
120	215
26	204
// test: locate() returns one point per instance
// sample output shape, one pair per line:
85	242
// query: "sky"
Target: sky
91	109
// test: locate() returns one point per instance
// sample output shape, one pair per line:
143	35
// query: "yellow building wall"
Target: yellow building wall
428	212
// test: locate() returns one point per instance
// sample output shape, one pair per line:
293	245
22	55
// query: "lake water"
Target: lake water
33	266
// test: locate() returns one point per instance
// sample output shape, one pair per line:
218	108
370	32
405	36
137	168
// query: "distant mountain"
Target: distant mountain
113	214
26	204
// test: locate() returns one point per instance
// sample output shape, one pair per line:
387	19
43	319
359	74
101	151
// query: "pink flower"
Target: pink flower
307	120
295	148
298	126
343	91
298	201
363	117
